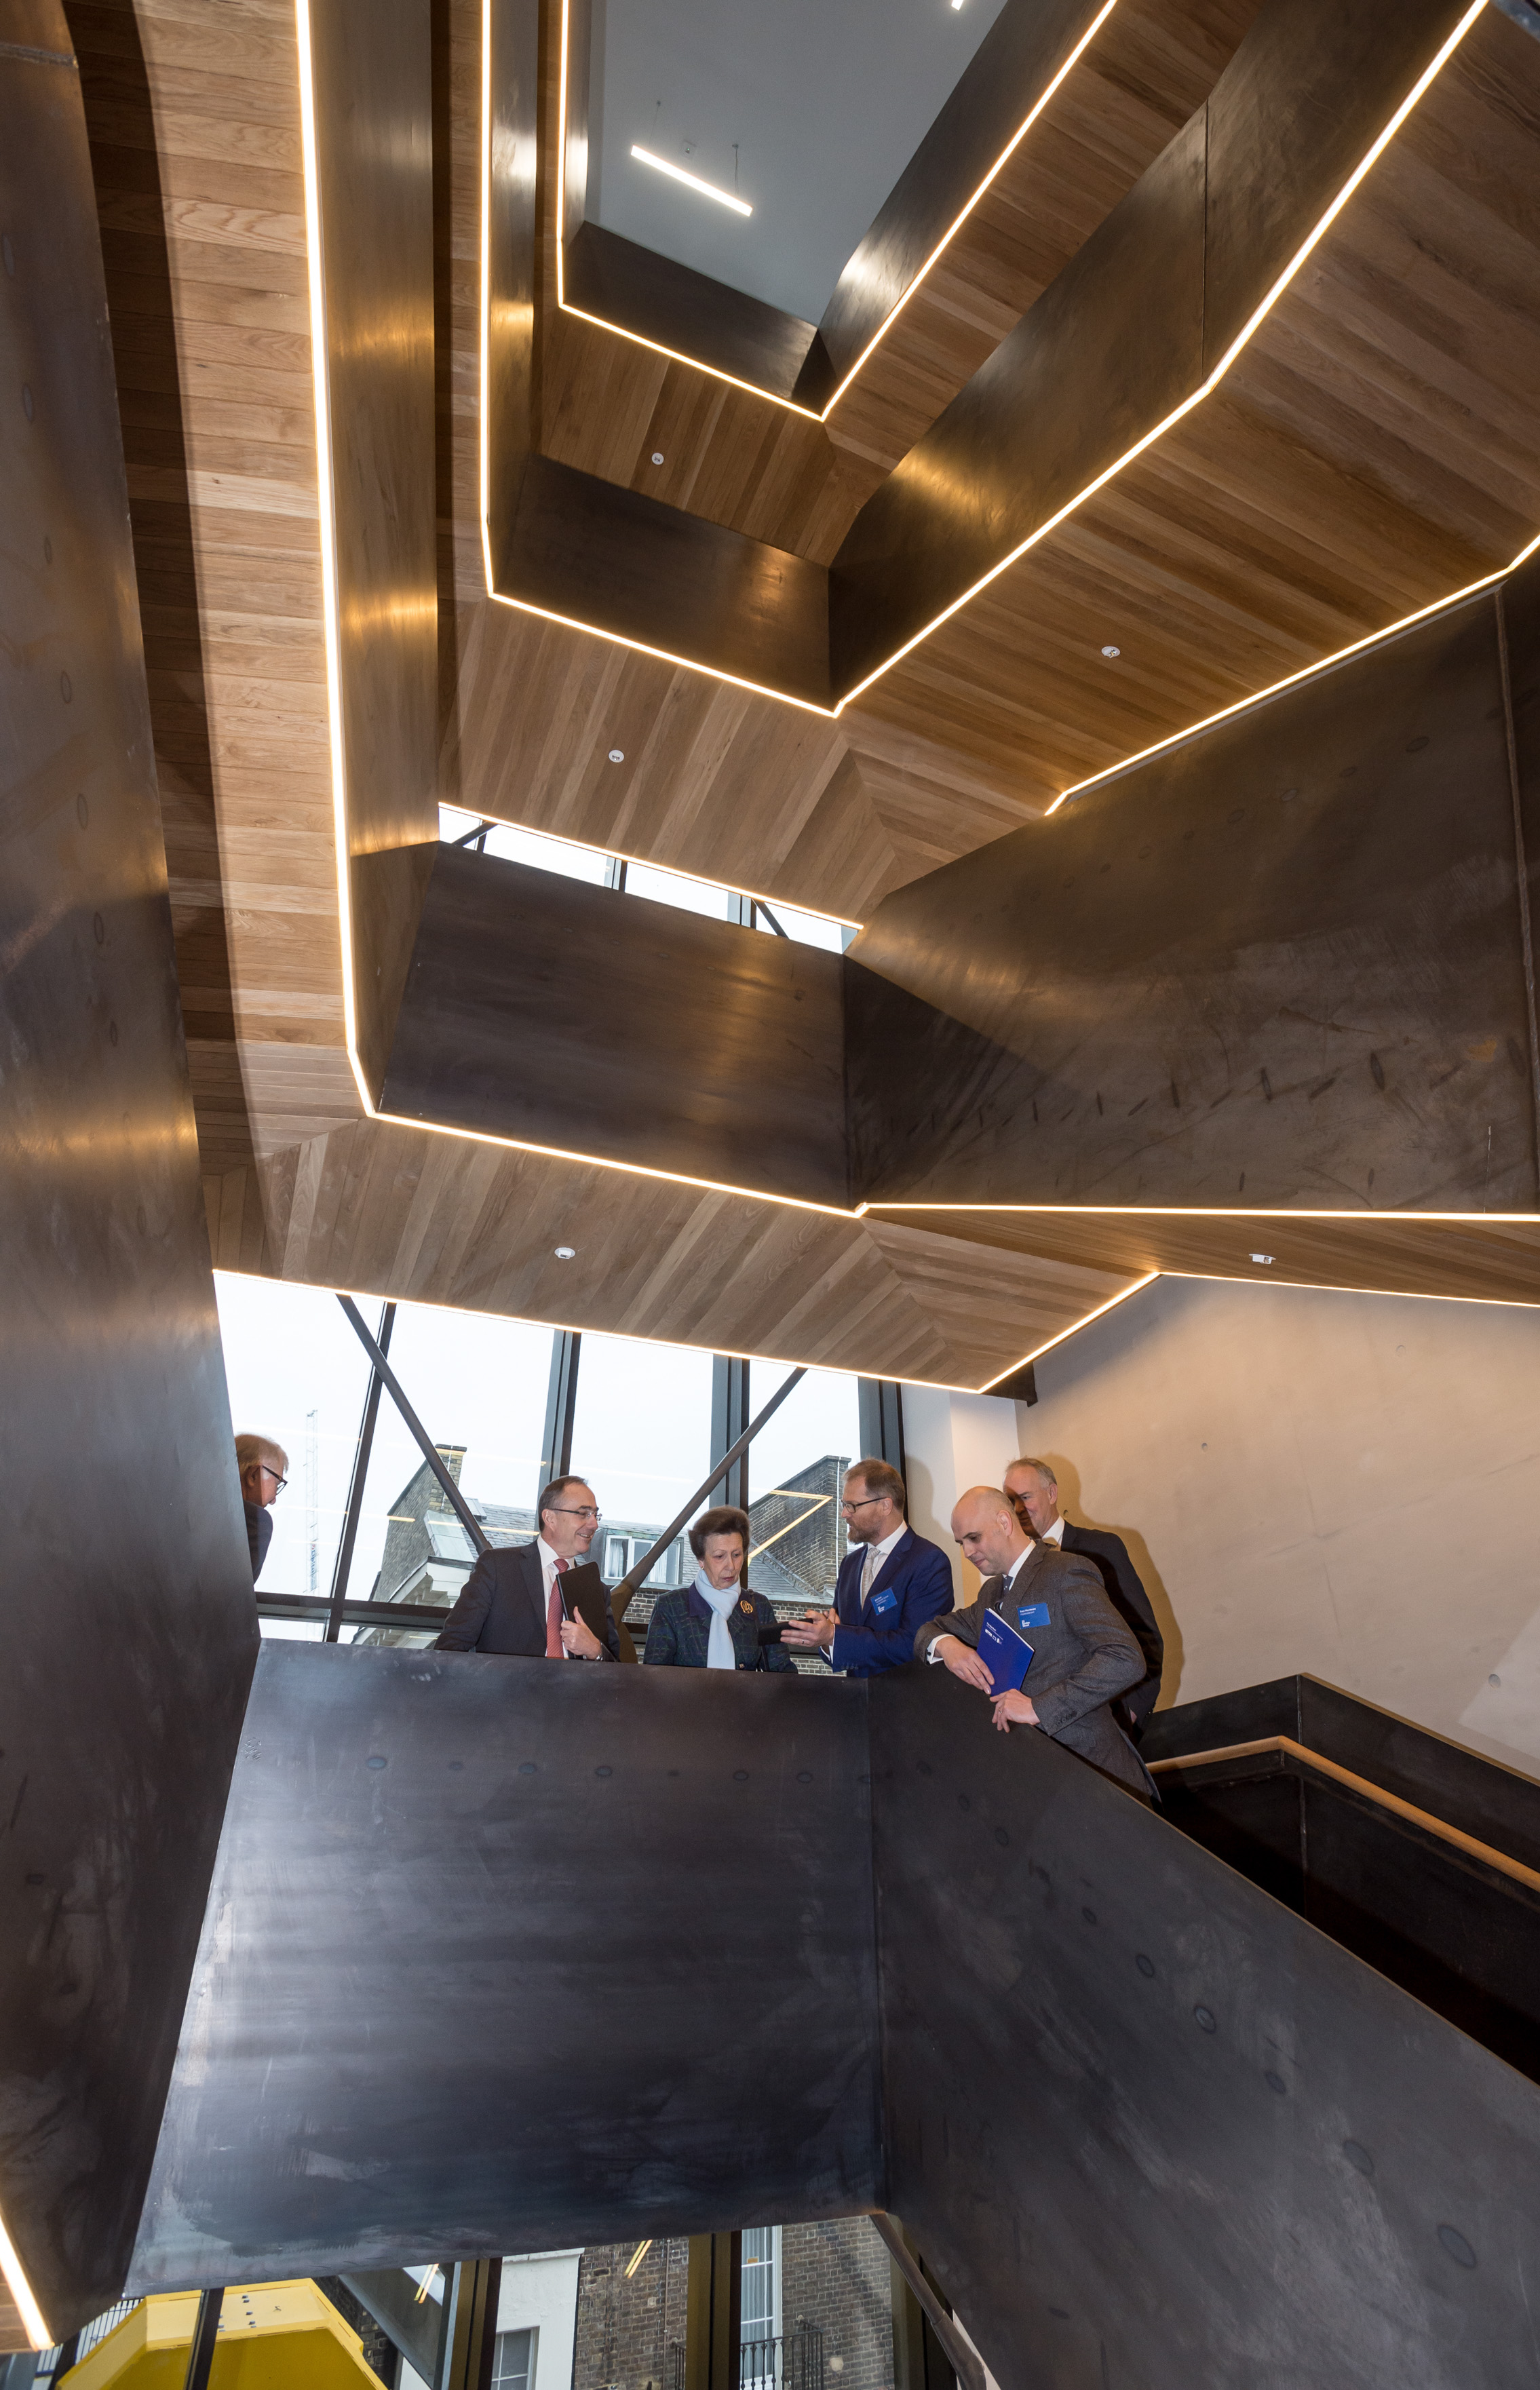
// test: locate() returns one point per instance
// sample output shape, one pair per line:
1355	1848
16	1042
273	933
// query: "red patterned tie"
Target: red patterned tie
554	1614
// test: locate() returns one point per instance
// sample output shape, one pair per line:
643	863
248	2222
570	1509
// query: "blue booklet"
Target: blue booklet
1005	1654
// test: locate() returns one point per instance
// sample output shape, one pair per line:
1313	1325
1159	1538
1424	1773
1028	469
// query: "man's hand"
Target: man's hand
964	1662
814	1631
579	1641
1013	1709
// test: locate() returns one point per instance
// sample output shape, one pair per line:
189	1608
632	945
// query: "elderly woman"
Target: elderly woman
714	1622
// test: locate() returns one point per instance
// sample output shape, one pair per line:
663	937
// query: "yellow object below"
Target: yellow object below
272	2336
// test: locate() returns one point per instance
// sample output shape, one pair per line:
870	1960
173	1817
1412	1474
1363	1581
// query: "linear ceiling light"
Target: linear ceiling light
814	414
678	175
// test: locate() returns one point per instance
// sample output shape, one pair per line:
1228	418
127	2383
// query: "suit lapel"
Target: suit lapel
894	1557
534	1584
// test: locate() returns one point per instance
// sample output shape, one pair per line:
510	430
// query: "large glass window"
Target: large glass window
642	1437
643	1427
651	880
796	1467
478	1387
296	1372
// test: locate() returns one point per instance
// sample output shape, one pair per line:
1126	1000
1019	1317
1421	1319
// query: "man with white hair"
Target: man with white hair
1034	1491
1084	1656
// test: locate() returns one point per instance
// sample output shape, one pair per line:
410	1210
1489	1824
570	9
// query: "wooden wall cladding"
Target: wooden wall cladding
195	148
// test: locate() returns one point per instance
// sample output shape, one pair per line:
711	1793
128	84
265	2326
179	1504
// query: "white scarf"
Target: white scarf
719	1648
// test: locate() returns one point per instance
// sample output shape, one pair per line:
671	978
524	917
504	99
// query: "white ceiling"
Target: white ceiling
827	101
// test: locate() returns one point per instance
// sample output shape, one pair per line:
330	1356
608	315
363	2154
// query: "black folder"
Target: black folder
584	1591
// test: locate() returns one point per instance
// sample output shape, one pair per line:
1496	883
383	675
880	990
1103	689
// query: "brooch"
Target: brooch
748	1608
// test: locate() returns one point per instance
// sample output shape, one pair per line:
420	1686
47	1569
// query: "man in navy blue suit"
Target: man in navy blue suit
891	1582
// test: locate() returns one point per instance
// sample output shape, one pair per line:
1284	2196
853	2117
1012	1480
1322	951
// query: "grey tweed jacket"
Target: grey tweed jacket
1083	1655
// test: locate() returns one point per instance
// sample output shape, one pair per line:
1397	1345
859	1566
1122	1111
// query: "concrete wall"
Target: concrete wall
1346	1485
951	1442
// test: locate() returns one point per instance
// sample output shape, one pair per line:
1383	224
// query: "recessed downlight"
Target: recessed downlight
657	456
1111	651
566	1252
1265	1260
617	754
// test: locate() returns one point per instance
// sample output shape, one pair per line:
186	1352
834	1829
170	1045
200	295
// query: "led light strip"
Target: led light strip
329	602
330	607
677	356
325	493
1292	680
1101	1312
21	2289
1213	1212
1385	136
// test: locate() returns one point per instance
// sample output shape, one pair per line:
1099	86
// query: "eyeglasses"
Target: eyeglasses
578	1510
865	1501
263	1470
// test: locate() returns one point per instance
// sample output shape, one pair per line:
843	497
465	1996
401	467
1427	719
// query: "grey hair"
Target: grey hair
1042	1468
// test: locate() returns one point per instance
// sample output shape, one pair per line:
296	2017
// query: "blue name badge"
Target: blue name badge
1031	1613
883	1600
1004	1653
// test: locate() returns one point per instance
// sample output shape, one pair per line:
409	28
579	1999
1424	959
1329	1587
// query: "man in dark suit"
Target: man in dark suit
1034	1491
891	1581
512	1602
1084	1656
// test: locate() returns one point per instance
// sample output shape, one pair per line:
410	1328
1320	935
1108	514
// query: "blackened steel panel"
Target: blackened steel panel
1150	2128
127	1626
504	1955
1282	965
1461	1787
569	1016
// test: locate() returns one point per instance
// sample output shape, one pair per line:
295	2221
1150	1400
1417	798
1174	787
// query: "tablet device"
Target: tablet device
1005	1654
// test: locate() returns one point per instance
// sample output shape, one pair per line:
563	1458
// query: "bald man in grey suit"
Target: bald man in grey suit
1084	1656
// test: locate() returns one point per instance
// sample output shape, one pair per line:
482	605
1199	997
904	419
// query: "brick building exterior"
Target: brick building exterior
834	2276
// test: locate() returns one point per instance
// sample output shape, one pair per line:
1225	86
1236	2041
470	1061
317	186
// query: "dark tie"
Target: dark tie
554	1614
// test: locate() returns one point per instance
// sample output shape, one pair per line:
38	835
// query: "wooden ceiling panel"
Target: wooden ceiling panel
1473	1260
1366	455
382	1208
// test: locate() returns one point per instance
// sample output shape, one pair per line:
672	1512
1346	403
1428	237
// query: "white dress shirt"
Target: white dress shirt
878	1557
1054	1535
933	1653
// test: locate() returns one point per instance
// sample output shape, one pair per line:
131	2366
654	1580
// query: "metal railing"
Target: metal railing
54	2364
792	2361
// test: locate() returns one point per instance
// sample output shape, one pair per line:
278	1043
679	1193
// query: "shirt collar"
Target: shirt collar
1054	1535
883	1551
548	1558
1017	1565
